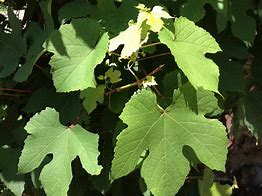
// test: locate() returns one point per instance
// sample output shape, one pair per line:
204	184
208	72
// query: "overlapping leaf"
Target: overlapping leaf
189	44
48	136
12	45
36	37
92	96
234	11
165	133
78	47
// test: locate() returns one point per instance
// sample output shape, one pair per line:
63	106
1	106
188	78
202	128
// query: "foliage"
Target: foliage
126	97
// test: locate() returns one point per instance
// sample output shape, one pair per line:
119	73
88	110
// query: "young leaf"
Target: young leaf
165	133
92	96
48	136
113	75
78	47
130	45
188	45
152	18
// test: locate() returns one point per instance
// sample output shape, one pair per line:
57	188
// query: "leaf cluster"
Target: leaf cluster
126	97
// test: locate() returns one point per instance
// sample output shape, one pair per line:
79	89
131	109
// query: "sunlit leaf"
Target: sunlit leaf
165	133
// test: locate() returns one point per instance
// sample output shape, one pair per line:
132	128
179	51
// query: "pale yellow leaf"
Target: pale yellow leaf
130	38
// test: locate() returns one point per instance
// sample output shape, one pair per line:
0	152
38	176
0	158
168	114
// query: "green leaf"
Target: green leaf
205	184
188	45
194	10
209	188
201	101
8	170
92	96
48	136
78	47
67	104
35	37
113	75
46	7
231	74
75	9
165	133
234	11
13	45
252	107
115	19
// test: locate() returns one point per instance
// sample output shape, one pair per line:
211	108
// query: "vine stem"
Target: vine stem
15	90
137	83
150	45
154	56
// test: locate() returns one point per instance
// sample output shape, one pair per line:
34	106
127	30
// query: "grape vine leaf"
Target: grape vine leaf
8	170
13	45
36	37
252	110
48	136
153	18
115	19
188	45
198	7
234	11
165	133
130	45
207	186
75	9
91	96
147	20
78	47
67	104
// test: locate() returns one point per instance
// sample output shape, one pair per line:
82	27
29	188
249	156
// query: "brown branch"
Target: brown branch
154	87
15	90
12	95
154	56
137	83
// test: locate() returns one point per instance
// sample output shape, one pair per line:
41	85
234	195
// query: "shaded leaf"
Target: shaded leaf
8	167
13	45
67	104
91	96
115	19
35	37
227	10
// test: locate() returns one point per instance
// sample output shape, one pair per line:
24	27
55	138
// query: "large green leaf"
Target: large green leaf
189	44
165	133
78	47
48	136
